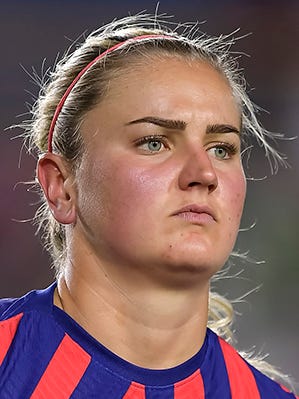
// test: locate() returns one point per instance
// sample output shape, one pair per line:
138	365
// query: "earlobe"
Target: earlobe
57	184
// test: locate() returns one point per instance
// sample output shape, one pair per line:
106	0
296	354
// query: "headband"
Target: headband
82	72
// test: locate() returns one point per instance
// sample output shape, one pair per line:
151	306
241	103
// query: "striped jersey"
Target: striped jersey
45	354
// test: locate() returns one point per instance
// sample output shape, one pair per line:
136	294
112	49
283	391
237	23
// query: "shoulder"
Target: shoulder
23	314
5	304
270	388
13	311
246	379
33	300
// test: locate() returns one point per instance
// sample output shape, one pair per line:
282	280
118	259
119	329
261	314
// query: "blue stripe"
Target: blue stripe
99	383
214	373
268	388
159	393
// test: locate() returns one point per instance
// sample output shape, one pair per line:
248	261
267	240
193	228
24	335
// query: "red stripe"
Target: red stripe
241	379
64	371
285	388
190	388
8	330
288	391
135	391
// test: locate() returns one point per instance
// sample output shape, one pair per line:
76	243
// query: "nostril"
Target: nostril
193	183
212	187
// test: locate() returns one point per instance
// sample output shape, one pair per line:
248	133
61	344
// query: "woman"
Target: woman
139	134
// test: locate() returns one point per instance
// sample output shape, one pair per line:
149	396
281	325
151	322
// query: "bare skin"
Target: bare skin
138	265
145	330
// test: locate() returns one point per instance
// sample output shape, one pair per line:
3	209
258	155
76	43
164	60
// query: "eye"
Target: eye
154	145
151	143
223	151
220	152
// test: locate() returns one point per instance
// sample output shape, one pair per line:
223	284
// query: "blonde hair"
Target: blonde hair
190	44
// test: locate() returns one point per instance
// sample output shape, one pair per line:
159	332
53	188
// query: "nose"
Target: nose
198	170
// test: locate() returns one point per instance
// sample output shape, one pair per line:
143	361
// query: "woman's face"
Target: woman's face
161	186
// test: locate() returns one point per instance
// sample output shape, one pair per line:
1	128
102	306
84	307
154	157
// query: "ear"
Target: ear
58	186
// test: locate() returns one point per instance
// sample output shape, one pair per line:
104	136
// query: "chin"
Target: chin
195	263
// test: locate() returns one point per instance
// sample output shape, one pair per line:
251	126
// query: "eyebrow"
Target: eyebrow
166	123
222	128
181	125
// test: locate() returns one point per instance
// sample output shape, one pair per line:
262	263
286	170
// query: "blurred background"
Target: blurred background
31	31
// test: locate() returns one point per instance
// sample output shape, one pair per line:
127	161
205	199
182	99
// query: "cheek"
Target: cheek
232	190
233	196
128	191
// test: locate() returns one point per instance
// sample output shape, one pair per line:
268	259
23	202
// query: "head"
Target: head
110	94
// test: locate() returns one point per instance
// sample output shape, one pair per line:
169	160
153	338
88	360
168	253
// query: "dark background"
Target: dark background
33	30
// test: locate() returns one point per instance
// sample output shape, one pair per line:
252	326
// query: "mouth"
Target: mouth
196	214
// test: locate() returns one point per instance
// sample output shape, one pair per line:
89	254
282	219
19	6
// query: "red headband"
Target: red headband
69	89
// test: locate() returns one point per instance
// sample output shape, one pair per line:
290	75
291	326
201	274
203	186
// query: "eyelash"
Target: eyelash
231	149
148	139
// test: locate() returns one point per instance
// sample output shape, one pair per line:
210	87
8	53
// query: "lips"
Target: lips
196	214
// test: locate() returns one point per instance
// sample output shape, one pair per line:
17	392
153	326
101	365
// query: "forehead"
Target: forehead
162	65
171	87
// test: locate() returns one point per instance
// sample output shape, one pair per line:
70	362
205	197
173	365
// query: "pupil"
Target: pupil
154	145
220	152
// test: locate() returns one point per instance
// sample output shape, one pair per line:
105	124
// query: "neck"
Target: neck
151	326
